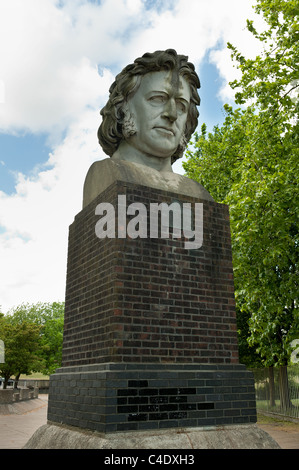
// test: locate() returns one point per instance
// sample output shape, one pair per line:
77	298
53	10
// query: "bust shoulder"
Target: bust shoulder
105	172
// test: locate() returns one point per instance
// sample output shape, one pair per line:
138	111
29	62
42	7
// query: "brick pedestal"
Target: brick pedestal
150	332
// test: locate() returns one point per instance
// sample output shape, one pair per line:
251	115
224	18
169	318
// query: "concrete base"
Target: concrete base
12	395
21	407
52	436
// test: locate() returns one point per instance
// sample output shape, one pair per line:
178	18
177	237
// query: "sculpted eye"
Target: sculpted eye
181	106
158	99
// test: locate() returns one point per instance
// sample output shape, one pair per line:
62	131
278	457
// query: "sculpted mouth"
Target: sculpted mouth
165	129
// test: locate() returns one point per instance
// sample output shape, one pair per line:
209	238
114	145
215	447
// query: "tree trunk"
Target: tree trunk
5	383
16	380
285	402
271	386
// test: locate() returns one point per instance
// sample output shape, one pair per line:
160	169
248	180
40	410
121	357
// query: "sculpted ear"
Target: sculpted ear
128	125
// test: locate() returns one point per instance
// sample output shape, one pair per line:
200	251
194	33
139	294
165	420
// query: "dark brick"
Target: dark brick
158	416
139	314
205	406
119	286
137	417
138	383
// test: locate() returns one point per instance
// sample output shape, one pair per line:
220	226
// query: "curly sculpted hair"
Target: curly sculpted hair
110	132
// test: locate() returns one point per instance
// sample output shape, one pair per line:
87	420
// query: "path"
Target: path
20	421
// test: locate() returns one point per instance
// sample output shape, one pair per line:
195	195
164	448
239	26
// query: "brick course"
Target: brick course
122	397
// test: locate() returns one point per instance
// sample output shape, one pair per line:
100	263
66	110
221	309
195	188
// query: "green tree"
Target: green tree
22	349
271	79
251	163
50	317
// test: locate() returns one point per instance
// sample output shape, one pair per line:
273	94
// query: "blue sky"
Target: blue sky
57	62
20	154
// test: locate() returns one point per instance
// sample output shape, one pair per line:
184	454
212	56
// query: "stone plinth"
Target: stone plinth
149	299
248	436
150	337
123	397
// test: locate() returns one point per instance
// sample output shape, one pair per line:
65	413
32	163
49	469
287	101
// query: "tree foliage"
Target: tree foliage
49	317
251	163
271	79
22	348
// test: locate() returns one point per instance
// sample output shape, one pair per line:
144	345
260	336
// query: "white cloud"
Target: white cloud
57	66
245	42
49	62
33	250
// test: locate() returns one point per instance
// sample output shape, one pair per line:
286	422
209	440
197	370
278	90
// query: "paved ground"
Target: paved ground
20	421
286	434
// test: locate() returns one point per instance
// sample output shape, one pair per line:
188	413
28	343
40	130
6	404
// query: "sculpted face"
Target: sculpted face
159	109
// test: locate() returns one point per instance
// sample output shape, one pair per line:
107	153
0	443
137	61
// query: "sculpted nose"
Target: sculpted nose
170	110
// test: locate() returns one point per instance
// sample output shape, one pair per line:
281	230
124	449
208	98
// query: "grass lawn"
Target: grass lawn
276	421
35	376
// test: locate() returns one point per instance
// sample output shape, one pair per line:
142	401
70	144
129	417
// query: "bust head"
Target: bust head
152	110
